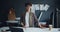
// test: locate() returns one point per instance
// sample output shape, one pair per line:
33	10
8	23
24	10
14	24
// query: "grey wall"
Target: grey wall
20	8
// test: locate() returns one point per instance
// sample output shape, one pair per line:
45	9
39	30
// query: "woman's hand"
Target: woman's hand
22	24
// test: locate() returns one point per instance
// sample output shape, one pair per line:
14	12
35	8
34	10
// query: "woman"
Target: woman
11	15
